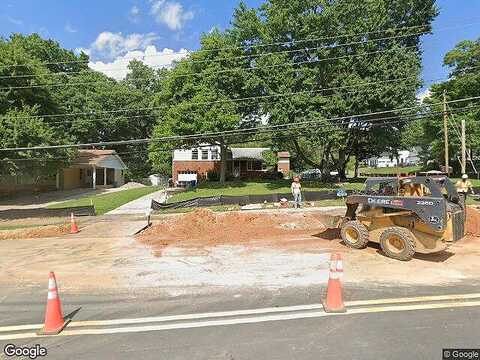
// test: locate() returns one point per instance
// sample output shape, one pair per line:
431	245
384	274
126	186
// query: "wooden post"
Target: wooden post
105	176
445	131
94	178
57	179
464	149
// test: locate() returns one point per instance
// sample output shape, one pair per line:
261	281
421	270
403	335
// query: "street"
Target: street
381	323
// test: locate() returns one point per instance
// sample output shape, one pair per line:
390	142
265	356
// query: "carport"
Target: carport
93	169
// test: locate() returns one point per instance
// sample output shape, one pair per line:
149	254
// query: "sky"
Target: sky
113	31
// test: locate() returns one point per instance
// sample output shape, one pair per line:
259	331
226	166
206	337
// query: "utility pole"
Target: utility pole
445	131
464	149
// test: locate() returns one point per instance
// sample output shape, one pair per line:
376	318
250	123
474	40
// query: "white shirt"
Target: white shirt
296	188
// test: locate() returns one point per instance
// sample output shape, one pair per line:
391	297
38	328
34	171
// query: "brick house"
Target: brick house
195	164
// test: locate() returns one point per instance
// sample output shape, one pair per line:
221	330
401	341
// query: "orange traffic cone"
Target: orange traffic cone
73	225
54	321
334	300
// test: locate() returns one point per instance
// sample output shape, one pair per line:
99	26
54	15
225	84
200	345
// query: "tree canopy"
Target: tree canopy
38	77
463	83
302	61
296	64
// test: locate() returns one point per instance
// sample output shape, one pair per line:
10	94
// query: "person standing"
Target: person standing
463	187
297	192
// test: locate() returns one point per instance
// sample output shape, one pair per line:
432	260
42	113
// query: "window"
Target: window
195	154
250	165
204	154
215	154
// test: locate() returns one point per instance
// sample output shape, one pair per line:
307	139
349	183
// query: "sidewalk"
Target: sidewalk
139	206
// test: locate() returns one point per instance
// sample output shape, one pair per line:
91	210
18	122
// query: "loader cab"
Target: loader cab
413	186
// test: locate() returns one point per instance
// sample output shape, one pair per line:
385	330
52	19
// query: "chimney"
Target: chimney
283	162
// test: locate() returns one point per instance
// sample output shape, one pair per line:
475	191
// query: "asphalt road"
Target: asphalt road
252	324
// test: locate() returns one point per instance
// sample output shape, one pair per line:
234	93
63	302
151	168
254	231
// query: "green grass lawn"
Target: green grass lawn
390	170
107	202
238	188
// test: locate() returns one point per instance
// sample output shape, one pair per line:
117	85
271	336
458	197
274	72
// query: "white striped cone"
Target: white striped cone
334	298
52	289
339	267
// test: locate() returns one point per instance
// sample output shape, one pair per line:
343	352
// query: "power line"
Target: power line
64	73
220	133
250	46
399	119
93	112
348	88
288	94
254	46
8	88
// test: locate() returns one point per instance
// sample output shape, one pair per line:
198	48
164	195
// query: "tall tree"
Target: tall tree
38	77
199	96
463	82
300	47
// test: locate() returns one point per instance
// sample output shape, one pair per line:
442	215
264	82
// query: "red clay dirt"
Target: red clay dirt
472	225
203	227
37	232
295	231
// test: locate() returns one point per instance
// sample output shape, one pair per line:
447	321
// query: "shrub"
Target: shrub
213	176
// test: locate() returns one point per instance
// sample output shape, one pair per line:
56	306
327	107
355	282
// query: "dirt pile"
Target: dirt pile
205	227
33	233
131	185
472	225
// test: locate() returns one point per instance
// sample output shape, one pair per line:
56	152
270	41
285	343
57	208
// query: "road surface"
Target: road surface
381	323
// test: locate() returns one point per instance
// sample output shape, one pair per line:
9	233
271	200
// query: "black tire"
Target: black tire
355	234
398	243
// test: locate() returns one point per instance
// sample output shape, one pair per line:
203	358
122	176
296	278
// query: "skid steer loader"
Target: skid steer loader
405	215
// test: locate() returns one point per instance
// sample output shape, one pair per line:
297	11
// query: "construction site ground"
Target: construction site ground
203	252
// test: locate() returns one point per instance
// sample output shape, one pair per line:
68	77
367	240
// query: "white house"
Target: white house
385	160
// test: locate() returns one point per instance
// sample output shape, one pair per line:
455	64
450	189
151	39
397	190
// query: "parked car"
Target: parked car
311	174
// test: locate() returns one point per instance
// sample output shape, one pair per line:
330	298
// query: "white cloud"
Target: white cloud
117	68
112	45
69	28
14	21
134	14
424	95
170	13
79	50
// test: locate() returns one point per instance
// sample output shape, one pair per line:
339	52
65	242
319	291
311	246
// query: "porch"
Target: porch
93	169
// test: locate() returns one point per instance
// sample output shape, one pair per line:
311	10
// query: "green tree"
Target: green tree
464	82
282	26
198	96
38	76
23	128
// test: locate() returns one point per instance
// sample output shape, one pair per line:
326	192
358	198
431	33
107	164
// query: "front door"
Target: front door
236	169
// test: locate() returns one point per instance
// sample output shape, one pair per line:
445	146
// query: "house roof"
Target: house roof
248	153
99	158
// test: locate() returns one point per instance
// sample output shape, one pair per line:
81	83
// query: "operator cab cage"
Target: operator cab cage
419	185
425	196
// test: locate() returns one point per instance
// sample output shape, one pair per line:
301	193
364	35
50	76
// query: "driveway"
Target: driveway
140	205
42	200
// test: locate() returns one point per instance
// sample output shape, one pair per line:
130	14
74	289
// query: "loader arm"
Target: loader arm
431	210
